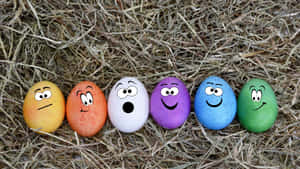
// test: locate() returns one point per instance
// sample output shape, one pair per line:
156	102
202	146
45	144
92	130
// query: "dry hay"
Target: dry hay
70	41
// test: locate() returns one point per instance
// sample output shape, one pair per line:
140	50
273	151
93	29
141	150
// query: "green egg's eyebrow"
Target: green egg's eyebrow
262	86
36	90
251	87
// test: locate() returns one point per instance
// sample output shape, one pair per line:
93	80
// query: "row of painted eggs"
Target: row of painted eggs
128	105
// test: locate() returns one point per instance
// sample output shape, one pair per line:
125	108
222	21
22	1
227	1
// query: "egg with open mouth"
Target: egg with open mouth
86	108
257	106
128	105
170	103
44	107
215	103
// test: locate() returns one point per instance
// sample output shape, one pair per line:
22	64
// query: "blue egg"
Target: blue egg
215	103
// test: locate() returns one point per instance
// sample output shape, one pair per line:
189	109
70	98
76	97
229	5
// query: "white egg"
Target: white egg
128	105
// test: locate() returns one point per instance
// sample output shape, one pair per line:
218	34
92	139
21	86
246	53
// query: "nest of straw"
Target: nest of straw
101	41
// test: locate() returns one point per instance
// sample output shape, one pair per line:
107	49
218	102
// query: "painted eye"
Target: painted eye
258	95
89	98
253	95
122	93
38	96
47	94
218	91
174	91
84	99
209	90
165	91
132	91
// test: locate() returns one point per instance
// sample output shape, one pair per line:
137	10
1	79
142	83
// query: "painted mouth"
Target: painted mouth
167	106
214	105
261	106
128	107
81	110
44	106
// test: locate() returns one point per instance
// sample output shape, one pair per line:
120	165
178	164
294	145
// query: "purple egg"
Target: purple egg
170	103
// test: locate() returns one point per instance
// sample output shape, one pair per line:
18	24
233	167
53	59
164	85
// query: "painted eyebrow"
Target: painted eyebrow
78	92
263	87
36	90
174	84
210	83
219	84
46	87
130	81
251	87
118	85
164	84
89	87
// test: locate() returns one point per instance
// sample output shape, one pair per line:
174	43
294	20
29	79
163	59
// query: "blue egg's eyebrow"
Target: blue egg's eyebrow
219	84
164	84
210	83
118	85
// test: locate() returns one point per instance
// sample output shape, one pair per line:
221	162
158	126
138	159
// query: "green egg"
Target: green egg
257	106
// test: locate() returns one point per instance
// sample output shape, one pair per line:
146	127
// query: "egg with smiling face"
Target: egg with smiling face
215	103
44	107
170	103
86	108
257	106
128	105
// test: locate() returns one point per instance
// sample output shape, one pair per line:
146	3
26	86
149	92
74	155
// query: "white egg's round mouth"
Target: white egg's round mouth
128	107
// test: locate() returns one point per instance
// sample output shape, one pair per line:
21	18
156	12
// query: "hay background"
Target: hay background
101	41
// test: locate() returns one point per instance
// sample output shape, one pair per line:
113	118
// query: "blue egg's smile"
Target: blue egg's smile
214	105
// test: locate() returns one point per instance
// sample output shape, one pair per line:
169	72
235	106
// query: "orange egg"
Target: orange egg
44	107
86	108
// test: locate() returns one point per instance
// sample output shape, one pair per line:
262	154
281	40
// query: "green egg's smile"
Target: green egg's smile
261	106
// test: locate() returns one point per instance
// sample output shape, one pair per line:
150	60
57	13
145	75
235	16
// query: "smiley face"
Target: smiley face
257	106
44	107
215	103
86	108
170	103
128	105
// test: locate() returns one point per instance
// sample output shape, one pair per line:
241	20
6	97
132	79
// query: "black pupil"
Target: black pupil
124	91
85	103
45	95
129	91
172	92
216	91
258	98
253	98
167	92
41	96
90	101
212	90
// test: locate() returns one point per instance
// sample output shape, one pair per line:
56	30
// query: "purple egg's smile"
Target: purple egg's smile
214	105
167	106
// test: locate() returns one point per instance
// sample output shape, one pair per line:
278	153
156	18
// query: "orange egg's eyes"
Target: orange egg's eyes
87	99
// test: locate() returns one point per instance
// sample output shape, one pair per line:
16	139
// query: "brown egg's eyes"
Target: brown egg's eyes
89	97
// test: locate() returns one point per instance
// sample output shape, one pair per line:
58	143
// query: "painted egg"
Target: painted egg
215	103
86	108
170	103
44	107
128	105
257	106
